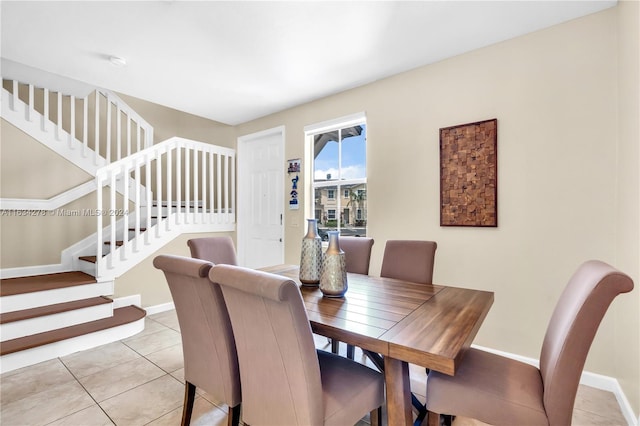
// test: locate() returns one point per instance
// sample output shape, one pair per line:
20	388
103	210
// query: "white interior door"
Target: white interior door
261	198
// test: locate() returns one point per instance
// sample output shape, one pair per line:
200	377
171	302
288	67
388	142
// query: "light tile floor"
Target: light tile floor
139	381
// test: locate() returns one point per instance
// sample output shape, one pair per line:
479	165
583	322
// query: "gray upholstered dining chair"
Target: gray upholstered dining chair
409	260
209	350
502	391
357	252
285	381
218	250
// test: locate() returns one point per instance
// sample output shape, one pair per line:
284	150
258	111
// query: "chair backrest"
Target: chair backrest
409	260
279	368
357	253
209	350
570	333
218	250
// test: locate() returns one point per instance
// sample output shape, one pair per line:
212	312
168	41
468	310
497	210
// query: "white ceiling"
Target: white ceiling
236	61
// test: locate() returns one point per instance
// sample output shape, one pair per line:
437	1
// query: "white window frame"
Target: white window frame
310	131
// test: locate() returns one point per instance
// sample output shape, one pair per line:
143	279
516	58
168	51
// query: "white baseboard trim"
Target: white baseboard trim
121	302
587	378
25	271
159	308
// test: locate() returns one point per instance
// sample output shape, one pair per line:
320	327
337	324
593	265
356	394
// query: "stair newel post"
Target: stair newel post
169	177
158	192
112	209
45	109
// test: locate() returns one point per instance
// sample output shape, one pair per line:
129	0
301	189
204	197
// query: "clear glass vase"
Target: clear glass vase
311	255
333	277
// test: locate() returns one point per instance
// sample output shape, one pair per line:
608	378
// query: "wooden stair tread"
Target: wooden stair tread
91	259
30	284
118	243
121	316
52	309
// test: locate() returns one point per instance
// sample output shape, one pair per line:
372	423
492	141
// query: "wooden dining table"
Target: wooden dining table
422	324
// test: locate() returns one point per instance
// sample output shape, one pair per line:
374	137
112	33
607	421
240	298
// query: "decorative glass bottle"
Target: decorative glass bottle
311	255
333	277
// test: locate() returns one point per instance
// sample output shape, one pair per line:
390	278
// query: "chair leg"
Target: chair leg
433	419
189	398
375	417
335	346
351	351
233	417
376	359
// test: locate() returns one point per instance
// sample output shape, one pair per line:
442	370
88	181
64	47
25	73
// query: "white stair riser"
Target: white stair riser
27	327
36	299
32	356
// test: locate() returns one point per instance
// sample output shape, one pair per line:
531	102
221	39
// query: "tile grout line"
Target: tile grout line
86	391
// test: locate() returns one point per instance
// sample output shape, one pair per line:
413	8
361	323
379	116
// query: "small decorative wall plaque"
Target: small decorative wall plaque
469	174
293	169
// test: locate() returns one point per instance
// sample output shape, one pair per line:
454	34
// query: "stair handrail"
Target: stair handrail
54	119
186	182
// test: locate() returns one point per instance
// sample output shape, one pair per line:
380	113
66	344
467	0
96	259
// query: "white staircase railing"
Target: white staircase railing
192	185
101	124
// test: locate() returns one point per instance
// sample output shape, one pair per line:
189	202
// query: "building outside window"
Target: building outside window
339	182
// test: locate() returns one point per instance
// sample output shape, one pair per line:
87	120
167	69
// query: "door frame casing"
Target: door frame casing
242	181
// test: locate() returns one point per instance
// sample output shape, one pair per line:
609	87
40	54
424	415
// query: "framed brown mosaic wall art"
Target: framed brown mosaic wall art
469	174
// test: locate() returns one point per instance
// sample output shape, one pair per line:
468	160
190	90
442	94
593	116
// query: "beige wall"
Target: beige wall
555	95
24	165
627	331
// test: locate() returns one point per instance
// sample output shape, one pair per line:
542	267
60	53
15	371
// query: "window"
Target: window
337	154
